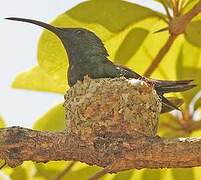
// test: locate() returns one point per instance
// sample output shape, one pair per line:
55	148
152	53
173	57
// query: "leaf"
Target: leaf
151	174
193	33
124	175
130	45
53	120
19	173
189	67
169	126
113	15
189	5
107	18
49	170
84	173
2	123
184	174
37	79
167	3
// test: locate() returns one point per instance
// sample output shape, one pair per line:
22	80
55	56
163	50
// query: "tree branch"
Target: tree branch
177	26
20	144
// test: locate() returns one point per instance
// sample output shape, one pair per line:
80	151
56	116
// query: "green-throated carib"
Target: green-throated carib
88	56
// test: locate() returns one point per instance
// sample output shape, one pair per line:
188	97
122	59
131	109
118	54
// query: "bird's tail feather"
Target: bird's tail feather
170	103
173	86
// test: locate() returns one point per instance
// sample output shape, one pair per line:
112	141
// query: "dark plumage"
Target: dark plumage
88	56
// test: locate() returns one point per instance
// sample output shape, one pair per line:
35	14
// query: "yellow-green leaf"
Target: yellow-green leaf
184	174
150	174
124	175
53	120
169	126
130	45
83	173
19	173
38	79
189	4
168	3
193	33
49	170
2	122
189	67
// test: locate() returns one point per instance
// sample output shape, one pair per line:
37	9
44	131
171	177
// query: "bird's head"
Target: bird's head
79	43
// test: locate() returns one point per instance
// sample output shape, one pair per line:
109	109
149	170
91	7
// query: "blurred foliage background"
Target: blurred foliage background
127	30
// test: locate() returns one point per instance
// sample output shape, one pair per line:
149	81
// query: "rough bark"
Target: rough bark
20	144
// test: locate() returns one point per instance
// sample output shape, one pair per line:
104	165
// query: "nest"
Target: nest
116	106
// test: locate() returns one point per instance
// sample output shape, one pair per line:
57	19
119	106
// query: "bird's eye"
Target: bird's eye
79	32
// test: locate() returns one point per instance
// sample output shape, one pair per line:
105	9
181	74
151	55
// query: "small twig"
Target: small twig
65	171
163	51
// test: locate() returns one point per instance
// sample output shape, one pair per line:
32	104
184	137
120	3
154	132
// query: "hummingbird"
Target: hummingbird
88	56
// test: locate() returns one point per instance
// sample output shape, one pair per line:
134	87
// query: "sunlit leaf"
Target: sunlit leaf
53	120
169	126
184	174
168	3
49	170
2	122
19	173
193	33
83	173
189	4
124	175
130	45
149	174
38	79
189	67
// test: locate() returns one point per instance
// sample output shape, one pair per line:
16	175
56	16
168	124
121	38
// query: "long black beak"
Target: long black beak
39	23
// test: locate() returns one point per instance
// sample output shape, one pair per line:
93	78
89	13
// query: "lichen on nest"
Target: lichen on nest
117	106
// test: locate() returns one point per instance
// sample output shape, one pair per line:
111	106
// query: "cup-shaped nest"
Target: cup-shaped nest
116	106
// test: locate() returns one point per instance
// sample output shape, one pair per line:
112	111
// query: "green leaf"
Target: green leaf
83	173
193	33
169	126
168	3
189	4
124	175
19	173
53	120
130	45
38	79
49	170
151	174
184	174
2	123
109	19
189	67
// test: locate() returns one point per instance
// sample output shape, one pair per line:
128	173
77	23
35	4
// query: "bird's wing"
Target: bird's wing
127	72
